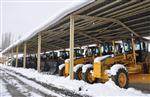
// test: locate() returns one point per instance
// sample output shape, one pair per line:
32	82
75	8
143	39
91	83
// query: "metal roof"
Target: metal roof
90	27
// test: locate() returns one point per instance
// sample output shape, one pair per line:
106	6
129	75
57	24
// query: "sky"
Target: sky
20	17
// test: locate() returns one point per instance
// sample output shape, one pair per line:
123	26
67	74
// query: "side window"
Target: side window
137	45
102	49
127	47
119	48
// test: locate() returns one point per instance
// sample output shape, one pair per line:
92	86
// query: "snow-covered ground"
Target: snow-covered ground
80	87
13	85
3	90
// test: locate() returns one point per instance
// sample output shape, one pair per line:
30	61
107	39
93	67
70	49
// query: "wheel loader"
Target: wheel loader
79	61
31	61
129	63
50	61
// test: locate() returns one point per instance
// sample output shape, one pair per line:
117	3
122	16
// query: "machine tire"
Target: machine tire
61	71
78	74
123	73
85	76
57	68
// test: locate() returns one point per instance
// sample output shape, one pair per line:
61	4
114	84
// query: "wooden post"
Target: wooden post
38	53
133	47
113	42
11	56
17	56
24	56
8	56
124	54
5	59
71	46
100	49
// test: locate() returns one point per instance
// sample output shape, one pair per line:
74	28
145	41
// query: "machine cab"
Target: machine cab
78	53
64	54
92	51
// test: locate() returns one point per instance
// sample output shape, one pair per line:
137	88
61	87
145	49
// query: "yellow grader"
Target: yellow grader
129	63
79	61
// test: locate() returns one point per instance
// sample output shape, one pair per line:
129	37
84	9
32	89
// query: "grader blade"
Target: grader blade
139	78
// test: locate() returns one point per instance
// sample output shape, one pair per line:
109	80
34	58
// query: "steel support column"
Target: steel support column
17	47
71	46
24	56
38	53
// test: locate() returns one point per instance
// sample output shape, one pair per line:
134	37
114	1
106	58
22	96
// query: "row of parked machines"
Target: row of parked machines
92	62
124	61
49	61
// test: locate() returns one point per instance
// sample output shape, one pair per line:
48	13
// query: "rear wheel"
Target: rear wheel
88	77
121	78
78	74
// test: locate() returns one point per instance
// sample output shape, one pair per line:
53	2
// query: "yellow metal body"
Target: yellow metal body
67	66
82	60
139	78
135	71
97	69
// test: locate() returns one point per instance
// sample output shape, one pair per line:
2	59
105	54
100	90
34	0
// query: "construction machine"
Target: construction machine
79	60
64	54
31	61
129	63
50	61
20	62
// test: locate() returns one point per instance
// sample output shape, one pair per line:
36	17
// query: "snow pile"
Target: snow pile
67	60
113	70
85	67
94	90
98	59
75	68
49	79
110	89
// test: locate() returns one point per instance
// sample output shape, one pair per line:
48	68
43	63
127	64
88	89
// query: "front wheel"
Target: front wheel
121	78
78	74
88	77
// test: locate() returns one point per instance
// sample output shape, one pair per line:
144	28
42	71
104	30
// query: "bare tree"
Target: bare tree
6	40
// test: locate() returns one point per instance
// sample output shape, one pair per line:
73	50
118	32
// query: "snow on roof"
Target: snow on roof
50	21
